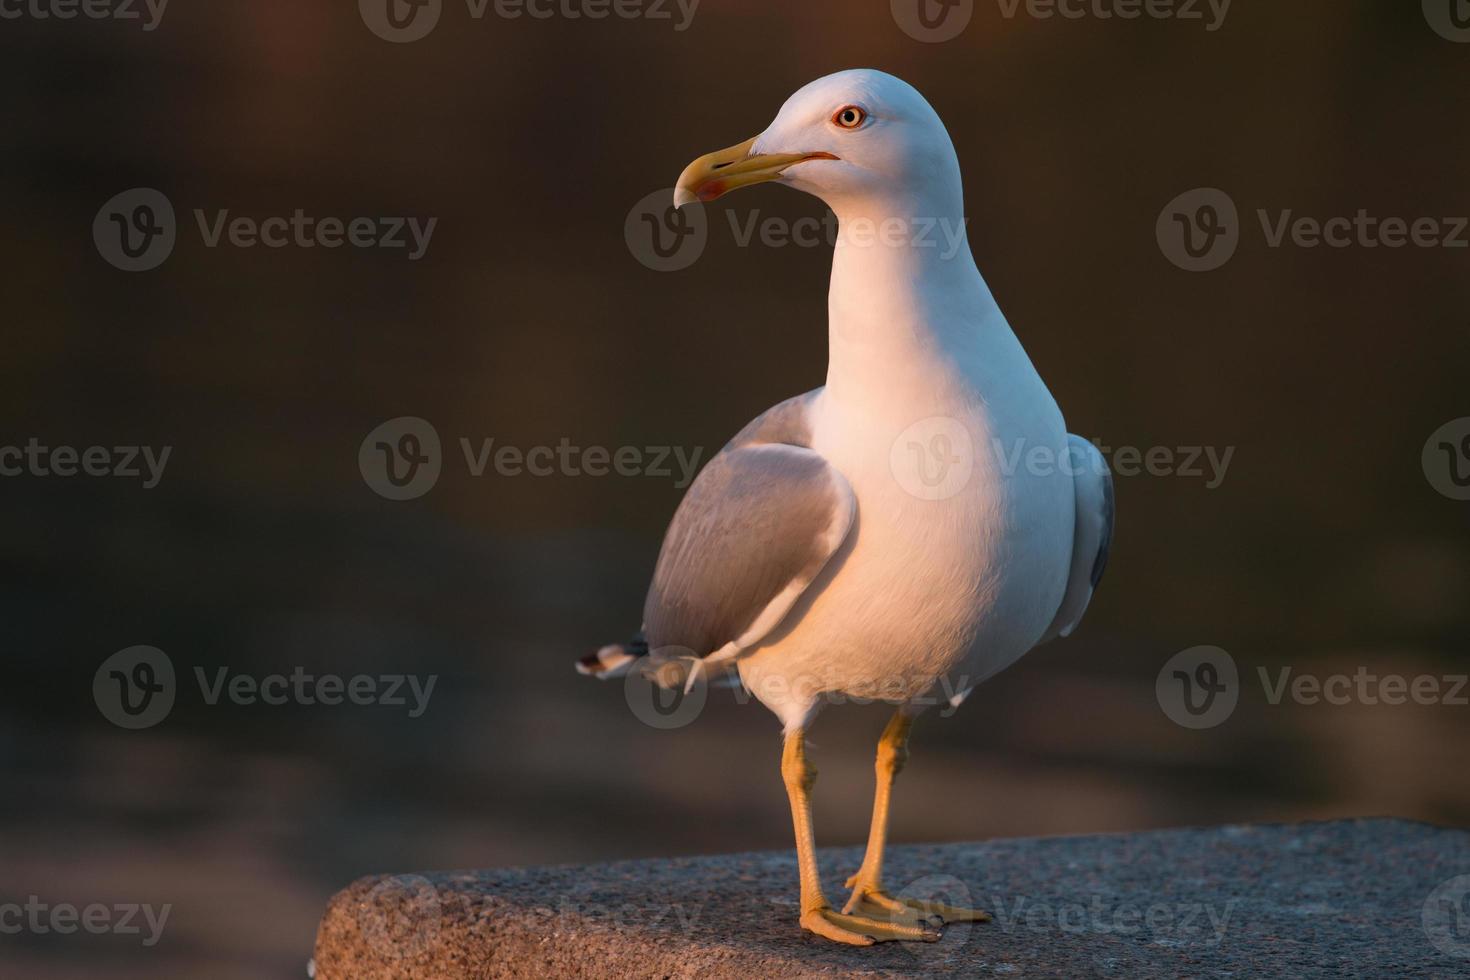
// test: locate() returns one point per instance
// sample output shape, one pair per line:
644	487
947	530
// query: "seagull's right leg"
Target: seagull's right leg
816	915
868	894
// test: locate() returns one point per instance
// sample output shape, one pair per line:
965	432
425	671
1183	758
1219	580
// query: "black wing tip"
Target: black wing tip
613	660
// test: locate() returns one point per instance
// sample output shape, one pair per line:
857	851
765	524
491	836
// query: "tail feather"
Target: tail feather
614	660
670	668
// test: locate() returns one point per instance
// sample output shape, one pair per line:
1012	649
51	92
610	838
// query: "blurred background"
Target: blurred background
530	319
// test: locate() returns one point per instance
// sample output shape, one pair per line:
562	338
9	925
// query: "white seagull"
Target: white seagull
902	533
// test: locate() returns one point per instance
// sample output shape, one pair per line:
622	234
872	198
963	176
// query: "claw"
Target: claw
879	906
856	930
908	910
949	913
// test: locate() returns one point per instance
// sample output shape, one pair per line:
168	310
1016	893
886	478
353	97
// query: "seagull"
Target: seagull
902	533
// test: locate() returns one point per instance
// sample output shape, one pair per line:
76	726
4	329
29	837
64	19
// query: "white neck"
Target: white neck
905	295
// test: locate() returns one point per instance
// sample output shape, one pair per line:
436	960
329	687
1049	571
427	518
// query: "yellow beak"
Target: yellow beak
725	170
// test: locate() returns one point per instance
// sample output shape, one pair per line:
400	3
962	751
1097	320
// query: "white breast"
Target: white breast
960	553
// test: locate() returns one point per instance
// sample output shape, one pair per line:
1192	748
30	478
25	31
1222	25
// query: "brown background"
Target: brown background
529	321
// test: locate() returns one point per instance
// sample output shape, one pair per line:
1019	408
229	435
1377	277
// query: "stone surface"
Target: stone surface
1373	898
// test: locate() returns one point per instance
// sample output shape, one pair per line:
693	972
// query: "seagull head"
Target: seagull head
857	138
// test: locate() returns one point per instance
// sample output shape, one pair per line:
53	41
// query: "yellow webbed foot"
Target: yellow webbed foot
857	930
872	900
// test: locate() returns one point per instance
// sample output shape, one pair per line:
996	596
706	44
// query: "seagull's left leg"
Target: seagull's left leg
816	915
868	896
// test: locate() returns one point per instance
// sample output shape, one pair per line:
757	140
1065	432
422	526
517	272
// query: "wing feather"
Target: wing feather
1092	537
754	531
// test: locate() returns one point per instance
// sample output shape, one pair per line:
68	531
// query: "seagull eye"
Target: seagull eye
850	117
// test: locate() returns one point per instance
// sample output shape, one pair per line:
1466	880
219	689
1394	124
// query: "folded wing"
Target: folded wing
752	534
1092	536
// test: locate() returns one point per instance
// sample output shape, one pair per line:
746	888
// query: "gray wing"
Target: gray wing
754	531
1092	536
